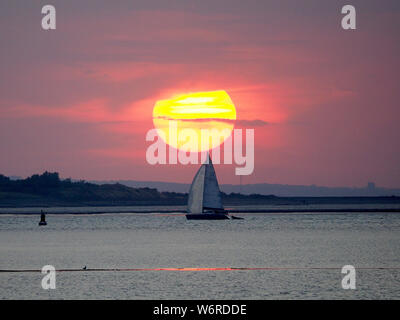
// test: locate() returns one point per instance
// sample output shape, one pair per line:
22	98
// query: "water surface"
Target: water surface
327	240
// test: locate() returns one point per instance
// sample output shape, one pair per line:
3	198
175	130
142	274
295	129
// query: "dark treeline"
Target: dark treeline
48	188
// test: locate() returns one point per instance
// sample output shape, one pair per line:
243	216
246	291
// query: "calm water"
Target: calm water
161	241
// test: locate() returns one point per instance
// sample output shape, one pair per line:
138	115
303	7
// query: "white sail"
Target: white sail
204	191
195	201
212	195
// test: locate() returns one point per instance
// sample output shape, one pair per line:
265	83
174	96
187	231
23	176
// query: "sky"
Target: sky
323	101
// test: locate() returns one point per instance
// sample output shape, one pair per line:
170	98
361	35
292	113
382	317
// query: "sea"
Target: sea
154	255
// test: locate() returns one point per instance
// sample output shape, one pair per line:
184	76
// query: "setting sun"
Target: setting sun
195	112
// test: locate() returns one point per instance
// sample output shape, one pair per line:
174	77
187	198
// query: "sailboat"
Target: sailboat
205	201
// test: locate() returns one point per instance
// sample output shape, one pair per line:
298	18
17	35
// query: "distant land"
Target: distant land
47	189
280	190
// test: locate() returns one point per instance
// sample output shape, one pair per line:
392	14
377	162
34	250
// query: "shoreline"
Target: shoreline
341	210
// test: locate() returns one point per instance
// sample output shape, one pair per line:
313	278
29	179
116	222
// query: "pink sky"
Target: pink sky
79	99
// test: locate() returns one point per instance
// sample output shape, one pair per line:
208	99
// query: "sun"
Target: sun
195	113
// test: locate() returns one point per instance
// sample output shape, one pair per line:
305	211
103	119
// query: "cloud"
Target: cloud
252	123
280	65
243	123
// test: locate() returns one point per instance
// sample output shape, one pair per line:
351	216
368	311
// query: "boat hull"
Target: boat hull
236	218
207	216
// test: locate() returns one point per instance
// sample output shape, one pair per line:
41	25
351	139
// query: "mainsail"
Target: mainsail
204	192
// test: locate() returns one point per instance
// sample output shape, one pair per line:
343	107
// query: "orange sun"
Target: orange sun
186	121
